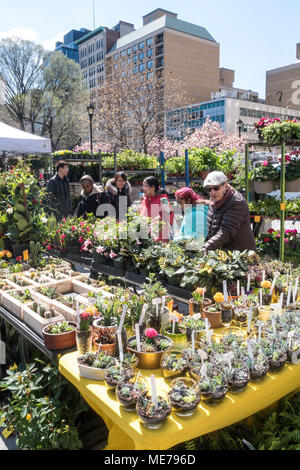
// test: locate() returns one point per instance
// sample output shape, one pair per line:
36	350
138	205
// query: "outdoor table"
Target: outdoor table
126	432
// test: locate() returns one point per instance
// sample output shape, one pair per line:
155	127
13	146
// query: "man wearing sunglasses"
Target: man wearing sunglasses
228	219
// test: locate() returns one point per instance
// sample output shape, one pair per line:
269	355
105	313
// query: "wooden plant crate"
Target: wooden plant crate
9	286
44	281
20	276
35	321
13	305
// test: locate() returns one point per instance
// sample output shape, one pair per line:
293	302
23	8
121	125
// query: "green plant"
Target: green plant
60	327
42	408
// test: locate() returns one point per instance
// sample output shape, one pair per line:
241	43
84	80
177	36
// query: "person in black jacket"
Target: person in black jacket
118	191
91	197
58	197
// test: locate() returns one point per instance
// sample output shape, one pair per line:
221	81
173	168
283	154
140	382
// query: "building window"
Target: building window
123	74
150	64
141	45
123	53
99	44
134	49
100	80
149	52
129	51
116	56
160	62
129	60
141	56
141	67
159	38
100	68
92	60
116	66
149	42
135	59
92	83
149	75
100	56
91	48
159	50
123	63
135	69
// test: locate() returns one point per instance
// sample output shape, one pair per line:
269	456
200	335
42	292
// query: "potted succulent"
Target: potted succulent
213	313
184	396
238	375
175	331
105	340
115	375
37	315
152	347
173	364
94	366
130	390
109	314
60	335
153	416
275	351
84	333
213	388
193	323
258	364
267	295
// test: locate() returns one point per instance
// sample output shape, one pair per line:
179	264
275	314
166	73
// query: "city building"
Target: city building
227	111
283	84
93	48
69	46
165	43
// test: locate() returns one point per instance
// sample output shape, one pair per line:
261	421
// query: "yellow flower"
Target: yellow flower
91	310
1	254
200	290
219	297
9	254
28	417
266	284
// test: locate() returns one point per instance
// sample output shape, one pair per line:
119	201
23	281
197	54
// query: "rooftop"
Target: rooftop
89	35
163	21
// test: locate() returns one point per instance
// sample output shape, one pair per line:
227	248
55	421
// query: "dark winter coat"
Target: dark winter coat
229	226
89	204
59	197
114	194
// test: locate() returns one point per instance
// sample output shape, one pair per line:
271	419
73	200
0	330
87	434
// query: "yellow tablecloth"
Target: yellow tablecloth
126	432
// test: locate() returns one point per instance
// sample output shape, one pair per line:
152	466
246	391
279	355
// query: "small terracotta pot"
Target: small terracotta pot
107	348
62	341
214	318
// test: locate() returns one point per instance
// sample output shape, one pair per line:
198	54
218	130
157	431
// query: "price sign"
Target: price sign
257	218
282	206
25	255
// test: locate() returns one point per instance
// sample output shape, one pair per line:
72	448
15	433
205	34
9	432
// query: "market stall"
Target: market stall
15	141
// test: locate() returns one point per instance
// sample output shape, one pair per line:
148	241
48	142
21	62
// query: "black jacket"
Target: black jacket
114	194
229	227
89	204
58	197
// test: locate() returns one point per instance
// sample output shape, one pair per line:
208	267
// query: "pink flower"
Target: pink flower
64	219
73	228
100	249
286	240
81	239
288	231
112	254
294	232
266	240
287	158
265	163
63	236
151	333
82	224
49	247
271	230
278	235
138	242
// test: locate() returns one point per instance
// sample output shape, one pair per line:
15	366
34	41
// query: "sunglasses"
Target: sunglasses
215	188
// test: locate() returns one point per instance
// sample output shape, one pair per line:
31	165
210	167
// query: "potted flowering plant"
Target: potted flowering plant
213	313
292	174
262	124
278	132
198	302
264	176
84	333
175	331
152	347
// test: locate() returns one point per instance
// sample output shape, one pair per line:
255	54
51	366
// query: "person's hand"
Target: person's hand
207	202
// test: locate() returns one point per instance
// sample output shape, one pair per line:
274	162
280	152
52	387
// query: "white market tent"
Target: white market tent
13	140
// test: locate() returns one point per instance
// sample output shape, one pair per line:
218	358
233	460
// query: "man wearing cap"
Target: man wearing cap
228	219
90	198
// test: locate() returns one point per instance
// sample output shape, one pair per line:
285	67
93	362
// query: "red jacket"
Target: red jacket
152	207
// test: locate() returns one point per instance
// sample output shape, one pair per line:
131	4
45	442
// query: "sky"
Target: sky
254	36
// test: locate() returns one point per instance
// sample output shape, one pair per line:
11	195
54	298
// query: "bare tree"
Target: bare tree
131	108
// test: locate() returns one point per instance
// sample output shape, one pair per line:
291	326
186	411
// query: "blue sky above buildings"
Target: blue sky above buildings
254	36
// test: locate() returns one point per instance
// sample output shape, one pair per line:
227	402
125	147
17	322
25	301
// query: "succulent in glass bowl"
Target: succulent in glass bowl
151	415
128	391
184	396
173	364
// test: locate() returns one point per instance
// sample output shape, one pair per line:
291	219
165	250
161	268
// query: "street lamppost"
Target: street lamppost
240	126
90	110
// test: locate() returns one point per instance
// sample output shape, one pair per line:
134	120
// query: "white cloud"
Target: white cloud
49	45
23	33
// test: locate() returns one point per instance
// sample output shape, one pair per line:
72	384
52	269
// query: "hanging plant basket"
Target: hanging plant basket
263	187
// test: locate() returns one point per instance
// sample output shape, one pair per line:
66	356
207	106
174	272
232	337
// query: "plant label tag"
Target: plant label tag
203	370
249	319
209	336
156	302
143	314
260	297
225	293
228	357
122	317
202	354
120	346
274	324
238	288
25	255
206	325
259	330
197	316
193	341
173	326
154	392
250	353
290	336
289	295
7	431
163	304
273	283
263	275
137	337
77	312
248	283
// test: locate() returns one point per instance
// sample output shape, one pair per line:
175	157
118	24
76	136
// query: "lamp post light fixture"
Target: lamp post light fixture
240	125
90	110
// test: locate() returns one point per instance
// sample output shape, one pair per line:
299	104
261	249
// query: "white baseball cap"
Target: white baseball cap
215	178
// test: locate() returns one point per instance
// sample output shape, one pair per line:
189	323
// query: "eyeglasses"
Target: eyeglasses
215	188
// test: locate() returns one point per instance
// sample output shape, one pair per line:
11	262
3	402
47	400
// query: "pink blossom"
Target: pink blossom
73	228
112	254
265	163
100	249
151	333
138	242
81	239
286	240
63	236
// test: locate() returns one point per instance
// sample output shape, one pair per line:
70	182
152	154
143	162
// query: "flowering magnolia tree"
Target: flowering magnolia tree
211	135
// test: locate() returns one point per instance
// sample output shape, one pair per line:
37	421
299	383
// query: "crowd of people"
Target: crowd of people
222	221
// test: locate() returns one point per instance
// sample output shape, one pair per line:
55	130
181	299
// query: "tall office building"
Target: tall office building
165	43
69	46
283	84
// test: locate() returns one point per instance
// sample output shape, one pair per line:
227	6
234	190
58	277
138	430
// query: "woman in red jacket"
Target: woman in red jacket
156	205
